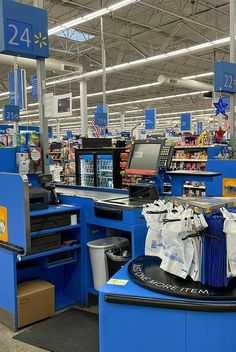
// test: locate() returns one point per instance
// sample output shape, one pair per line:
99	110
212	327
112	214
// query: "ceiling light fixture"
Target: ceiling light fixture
199	75
91	16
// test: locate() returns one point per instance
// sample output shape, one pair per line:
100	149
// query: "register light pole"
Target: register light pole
233	60
43	120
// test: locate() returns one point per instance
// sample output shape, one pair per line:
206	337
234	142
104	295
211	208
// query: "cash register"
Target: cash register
149	159
41	197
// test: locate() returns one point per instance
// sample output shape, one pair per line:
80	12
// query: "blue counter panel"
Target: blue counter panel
8	290
8	160
227	168
134	327
12	197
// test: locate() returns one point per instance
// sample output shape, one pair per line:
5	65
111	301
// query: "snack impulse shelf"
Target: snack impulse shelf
99	167
193	158
64	157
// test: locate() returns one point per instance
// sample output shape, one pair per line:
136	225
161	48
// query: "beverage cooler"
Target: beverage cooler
99	168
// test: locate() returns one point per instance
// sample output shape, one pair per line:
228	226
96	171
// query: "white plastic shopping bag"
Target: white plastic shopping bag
178	255
230	231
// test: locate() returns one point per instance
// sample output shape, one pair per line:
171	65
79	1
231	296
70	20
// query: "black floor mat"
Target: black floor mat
71	331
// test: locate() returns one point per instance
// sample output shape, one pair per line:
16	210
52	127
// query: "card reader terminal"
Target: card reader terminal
166	156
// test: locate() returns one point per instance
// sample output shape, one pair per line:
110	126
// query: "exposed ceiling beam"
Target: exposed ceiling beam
187	19
209	6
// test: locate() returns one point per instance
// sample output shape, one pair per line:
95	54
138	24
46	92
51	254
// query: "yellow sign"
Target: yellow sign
3	225
40	40
229	187
118	282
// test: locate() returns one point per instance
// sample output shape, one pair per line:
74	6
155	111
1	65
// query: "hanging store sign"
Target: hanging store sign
225	77
69	134
11	113
100	119
23	30
102	108
186	122
34	83
199	127
21	87
150	119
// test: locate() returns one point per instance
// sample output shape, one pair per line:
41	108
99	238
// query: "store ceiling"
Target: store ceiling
137	31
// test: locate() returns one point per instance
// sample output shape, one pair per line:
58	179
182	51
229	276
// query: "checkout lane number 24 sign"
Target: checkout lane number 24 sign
23	30
20	35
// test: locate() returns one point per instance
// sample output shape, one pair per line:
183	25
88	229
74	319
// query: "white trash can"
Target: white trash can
97	250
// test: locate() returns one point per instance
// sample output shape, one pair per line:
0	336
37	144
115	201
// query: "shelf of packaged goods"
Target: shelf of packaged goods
192	146
55	152
87	174
190	160
53	251
188	170
195	187
56	229
199	146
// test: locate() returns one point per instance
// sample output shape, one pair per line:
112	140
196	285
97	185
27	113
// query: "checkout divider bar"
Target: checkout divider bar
216	307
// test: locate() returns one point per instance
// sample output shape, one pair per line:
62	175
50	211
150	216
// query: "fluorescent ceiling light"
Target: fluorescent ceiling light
221	41
157	99
141	100
167	116
91	16
199	75
4	94
120	90
159	57
177	52
200	46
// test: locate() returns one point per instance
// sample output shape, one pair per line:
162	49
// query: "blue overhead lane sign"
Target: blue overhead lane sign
23	30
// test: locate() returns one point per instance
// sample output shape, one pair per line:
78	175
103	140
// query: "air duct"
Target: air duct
51	64
190	84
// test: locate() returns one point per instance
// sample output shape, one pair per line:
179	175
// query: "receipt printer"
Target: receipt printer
38	198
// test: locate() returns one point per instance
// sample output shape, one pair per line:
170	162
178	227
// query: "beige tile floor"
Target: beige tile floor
8	344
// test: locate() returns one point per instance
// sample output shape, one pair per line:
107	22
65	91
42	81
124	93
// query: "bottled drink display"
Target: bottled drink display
105	171
87	172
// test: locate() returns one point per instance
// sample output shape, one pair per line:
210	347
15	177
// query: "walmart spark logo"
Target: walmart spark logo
40	40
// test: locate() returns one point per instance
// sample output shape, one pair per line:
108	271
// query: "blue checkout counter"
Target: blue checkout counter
68	266
101	218
135	319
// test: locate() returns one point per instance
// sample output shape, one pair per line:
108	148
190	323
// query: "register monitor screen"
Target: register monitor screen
144	158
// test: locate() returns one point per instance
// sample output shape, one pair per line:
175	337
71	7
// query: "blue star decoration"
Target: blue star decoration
220	107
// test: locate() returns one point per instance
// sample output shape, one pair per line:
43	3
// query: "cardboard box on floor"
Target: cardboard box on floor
35	301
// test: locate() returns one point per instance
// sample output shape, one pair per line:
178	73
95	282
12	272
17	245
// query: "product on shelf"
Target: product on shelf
64	157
